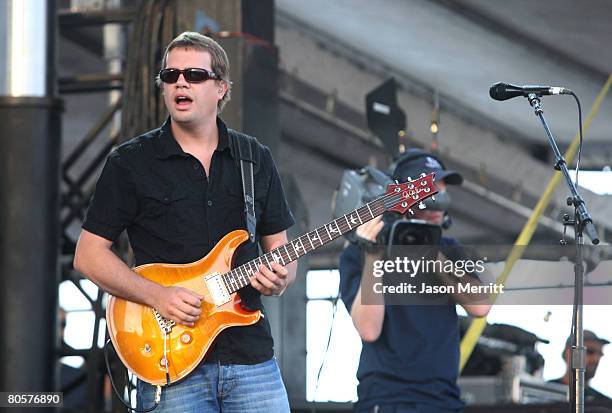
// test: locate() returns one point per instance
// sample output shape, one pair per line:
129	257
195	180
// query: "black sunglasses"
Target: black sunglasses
191	74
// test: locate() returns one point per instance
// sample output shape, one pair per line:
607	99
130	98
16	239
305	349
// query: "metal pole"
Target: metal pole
114	52
578	353
29	188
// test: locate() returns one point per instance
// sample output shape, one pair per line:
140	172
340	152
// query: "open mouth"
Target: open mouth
182	101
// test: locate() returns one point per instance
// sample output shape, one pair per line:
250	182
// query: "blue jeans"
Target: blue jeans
213	387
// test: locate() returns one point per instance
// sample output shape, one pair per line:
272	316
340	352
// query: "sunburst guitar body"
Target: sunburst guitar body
137	331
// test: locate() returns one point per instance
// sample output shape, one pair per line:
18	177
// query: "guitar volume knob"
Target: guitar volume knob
186	338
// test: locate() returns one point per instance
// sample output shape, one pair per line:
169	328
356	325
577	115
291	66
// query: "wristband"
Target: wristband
367	245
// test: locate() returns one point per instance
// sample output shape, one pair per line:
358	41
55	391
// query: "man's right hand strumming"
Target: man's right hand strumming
178	304
95	259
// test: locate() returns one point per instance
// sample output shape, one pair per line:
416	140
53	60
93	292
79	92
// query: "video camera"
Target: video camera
358	187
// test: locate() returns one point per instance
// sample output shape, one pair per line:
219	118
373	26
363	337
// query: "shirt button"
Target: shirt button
209	203
196	165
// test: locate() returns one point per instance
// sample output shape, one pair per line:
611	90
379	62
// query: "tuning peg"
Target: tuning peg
410	179
433	198
396	181
421	205
410	211
423	175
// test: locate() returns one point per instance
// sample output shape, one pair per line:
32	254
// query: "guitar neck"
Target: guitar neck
291	251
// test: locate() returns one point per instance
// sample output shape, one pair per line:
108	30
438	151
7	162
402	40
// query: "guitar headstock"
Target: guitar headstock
402	197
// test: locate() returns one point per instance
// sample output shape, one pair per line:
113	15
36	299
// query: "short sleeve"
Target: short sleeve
114	203
276	215
350	274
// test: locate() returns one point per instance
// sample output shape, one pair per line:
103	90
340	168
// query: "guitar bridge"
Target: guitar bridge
164	324
217	289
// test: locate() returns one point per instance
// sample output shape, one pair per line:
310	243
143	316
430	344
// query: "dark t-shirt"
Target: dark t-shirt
416	357
174	213
590	394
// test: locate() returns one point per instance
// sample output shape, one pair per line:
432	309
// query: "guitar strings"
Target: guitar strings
234	284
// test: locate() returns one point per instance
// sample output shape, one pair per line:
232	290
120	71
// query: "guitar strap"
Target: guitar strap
244	145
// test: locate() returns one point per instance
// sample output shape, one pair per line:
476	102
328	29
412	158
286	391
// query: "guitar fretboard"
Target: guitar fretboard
291	251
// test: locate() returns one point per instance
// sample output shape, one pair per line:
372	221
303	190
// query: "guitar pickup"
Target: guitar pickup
217	289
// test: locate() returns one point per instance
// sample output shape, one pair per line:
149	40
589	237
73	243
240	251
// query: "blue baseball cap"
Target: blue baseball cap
414	162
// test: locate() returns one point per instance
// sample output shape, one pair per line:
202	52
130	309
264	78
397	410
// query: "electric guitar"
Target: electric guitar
159	351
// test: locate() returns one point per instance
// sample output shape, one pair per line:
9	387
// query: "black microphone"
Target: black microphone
504	91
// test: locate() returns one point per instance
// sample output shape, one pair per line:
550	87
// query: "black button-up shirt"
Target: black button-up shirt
174	213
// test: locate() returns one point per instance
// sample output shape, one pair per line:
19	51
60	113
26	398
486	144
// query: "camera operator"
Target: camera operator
410	356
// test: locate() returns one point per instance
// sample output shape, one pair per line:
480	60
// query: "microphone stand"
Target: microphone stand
582	222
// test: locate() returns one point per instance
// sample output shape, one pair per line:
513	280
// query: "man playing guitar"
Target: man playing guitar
177	190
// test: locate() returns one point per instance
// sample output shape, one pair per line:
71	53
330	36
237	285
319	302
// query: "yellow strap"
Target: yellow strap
477	326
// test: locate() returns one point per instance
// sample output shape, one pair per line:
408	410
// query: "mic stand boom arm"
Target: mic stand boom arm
582	221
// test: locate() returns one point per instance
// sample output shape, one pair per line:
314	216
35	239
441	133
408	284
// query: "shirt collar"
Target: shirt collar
223	135
167	145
